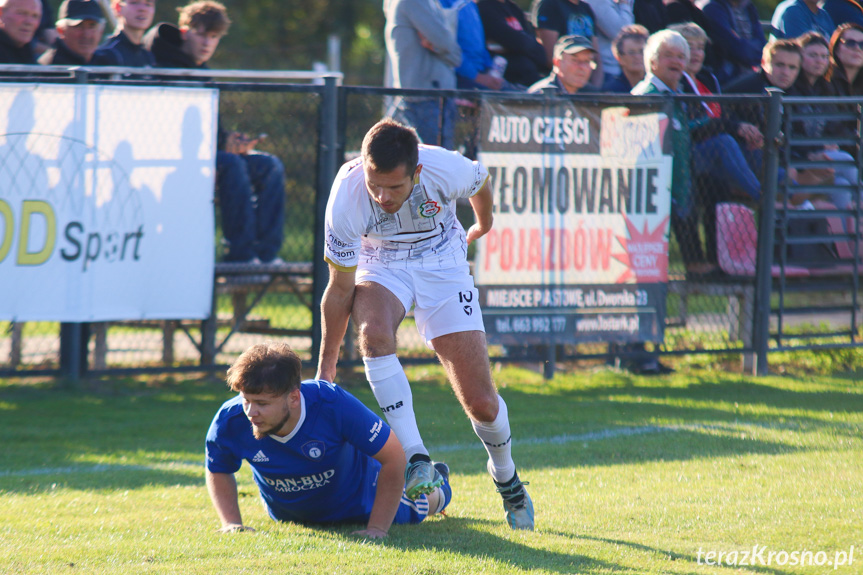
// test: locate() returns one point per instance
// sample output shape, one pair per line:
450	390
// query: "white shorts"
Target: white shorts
445	301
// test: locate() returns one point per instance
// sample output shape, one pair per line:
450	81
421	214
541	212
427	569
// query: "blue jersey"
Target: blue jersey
322	472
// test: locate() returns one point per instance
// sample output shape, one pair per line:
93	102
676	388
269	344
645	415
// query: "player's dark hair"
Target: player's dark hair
389	145
266	368
206	15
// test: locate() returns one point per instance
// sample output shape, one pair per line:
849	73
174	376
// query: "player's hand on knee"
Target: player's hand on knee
234	528
371	533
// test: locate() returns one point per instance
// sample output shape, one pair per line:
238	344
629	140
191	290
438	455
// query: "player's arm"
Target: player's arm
482	203
222	488
336	305
391	483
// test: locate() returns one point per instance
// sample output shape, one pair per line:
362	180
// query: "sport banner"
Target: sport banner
106	202
579	248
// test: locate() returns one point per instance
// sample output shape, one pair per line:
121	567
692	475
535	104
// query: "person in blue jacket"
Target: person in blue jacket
317	454
736	34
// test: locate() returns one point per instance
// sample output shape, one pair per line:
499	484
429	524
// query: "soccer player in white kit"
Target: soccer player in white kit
393	242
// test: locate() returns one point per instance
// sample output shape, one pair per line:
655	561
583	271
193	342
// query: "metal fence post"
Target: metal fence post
766	231
73	351
328	163
209	327
73	343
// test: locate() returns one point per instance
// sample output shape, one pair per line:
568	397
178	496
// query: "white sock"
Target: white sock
441	501
393	393
497	440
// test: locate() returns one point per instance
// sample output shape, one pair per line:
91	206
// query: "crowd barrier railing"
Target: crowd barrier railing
751	302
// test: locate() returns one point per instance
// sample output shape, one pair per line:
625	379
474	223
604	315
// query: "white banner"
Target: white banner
106	202
579	248
595	215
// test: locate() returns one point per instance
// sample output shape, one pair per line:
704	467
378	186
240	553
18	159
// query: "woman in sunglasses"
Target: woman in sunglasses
814	79
846	51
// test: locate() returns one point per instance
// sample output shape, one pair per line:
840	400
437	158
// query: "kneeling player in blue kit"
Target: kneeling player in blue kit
318	455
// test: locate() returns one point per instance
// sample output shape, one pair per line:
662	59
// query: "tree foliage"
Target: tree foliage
292	34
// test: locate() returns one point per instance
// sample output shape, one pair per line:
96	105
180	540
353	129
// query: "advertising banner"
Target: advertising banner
579	247
106	202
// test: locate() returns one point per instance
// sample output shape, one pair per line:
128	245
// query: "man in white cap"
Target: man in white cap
574	61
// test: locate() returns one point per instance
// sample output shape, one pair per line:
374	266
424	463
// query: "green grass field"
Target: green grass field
628	474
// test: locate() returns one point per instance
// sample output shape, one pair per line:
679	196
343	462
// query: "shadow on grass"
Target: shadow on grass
121	435
704	401
470	538
147	424
666	446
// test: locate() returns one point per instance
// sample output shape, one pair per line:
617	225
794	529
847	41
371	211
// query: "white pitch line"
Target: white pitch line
598	435
567	438
101	468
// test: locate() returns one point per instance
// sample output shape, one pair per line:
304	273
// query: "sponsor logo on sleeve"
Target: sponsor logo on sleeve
376	430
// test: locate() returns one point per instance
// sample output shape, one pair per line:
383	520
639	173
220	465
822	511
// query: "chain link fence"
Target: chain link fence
715	246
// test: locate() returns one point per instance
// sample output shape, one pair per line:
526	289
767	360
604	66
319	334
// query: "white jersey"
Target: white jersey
423	233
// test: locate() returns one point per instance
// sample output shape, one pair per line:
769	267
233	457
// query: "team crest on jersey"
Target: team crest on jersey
429	209
314	450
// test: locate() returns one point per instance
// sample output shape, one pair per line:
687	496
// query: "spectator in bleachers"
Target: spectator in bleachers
780	66
506	27
793	18
192	43
737	37
683	11
842	11
574	61
628	49
813	80
250	184
422	47
720	154
650	14
666	54
846	55
79	26
815	67
846	52
612	16
556	18
665	57
715	154
125	47
19	20
699	79
46	34
476	70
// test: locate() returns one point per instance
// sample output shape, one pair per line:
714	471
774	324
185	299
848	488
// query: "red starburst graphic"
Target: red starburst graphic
645	254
